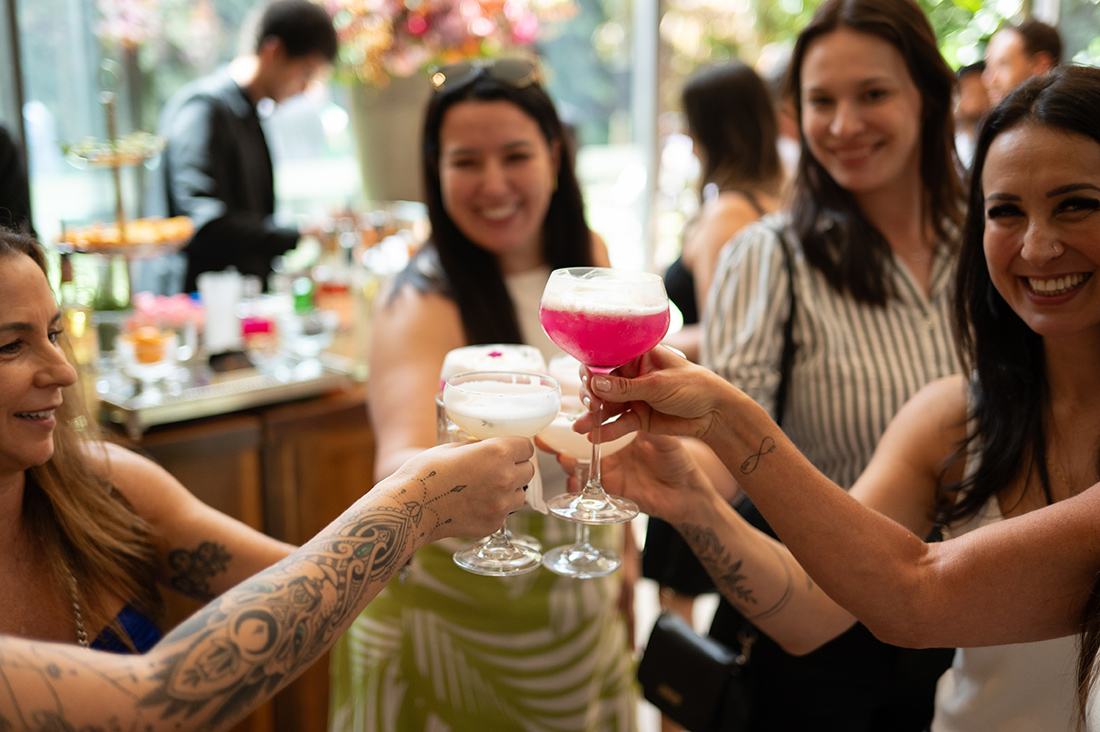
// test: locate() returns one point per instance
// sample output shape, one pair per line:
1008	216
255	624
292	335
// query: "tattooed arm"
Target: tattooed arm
201	551
1019	580
246	645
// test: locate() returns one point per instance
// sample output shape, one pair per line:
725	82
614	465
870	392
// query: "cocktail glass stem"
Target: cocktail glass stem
581	560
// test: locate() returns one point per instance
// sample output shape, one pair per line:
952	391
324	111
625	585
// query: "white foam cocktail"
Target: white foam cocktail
487	408
487	404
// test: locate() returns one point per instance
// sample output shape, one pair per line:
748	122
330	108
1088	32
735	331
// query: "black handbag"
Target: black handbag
695	681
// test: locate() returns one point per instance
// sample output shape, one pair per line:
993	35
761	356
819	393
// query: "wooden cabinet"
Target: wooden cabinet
287	470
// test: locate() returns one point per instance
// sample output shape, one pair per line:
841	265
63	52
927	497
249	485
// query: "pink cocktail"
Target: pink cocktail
603	341
604	318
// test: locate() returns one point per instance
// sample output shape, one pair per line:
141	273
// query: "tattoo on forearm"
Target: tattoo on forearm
766	446
255	637
194	569
728	576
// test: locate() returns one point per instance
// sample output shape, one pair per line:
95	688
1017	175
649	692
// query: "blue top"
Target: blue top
143	632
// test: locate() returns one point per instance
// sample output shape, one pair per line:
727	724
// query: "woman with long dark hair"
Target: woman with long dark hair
532	652
995	459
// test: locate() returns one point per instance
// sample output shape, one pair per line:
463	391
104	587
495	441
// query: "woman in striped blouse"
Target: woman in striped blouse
871	236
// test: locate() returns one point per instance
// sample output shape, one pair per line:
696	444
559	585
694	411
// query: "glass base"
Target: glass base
494	559
526	539
591	507
581	561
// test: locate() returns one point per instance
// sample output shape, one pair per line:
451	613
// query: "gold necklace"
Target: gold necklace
74	595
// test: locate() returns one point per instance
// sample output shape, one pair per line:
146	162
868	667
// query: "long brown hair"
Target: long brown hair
846	248
79	522
730	115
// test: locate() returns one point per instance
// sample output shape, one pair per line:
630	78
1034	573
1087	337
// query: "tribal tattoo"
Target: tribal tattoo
194	569
219	663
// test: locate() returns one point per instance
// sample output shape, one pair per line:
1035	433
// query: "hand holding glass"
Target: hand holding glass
488	404
604	318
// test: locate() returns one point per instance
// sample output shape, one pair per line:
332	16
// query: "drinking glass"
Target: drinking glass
488	404
580	560
604	318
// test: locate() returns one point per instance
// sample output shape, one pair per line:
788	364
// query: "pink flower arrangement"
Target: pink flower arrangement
381	39
128	23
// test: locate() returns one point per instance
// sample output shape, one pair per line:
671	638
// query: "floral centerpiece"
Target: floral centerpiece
383	39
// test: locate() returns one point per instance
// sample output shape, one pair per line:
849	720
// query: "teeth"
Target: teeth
36	415
1056	285
501	212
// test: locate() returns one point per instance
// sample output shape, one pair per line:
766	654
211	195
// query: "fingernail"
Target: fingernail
586	401
601	383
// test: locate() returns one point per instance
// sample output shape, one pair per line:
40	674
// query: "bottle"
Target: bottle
79	329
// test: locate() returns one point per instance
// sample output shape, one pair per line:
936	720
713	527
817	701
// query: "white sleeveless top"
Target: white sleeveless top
1023	687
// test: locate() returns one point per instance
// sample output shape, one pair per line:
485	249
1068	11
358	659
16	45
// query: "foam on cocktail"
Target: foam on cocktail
560	437
487	408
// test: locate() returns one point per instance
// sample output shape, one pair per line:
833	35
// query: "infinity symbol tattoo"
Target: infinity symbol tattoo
753	460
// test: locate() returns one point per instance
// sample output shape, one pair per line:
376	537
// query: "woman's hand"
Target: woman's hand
660	393
656	472
467	489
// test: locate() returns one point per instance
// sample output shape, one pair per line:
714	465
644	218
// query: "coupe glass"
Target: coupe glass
488	404
604	318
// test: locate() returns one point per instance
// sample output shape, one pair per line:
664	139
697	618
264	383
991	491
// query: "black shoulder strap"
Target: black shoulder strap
787	358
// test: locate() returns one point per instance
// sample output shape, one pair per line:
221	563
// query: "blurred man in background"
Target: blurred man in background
1017	53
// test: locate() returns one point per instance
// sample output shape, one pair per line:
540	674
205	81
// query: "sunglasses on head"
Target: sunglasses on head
517	72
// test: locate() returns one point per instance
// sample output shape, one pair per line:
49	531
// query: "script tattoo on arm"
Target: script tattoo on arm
728	575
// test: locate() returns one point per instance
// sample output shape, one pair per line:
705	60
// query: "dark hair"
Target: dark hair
730	115
1003	353
851	253
304	27
80	523
975	68
455	265
1038	37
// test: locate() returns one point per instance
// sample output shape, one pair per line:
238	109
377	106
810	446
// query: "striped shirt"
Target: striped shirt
854	365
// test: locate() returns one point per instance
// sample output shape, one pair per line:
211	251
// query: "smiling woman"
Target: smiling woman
1043	191
86	528
532	652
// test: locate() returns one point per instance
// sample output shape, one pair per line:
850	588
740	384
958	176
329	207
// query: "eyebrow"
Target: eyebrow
1059	191
1072	187
505	146
20	327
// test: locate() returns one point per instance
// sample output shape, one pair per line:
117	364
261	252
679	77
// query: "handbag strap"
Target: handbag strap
787	358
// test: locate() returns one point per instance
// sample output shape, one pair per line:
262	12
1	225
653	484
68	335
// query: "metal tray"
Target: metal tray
203	394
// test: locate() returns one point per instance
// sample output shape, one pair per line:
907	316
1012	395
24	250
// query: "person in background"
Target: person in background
993	457
270	627
15	192
446	649
732	125
864	257
1017	53
216	167
971	104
